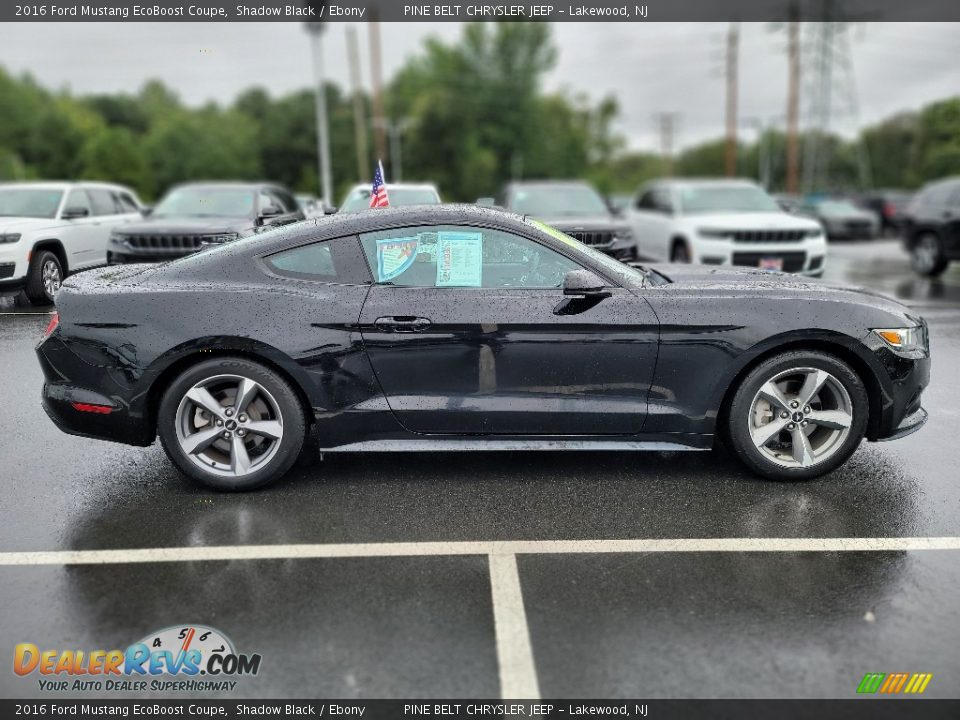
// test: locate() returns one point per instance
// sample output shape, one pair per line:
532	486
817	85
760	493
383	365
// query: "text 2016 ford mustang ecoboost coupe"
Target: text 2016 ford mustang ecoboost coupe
463	328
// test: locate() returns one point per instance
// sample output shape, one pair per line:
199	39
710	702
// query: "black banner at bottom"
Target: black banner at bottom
854	709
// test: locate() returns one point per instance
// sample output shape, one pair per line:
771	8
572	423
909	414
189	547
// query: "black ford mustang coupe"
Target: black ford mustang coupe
464	328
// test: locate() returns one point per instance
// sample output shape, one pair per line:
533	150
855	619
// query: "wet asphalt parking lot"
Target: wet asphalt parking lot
542	613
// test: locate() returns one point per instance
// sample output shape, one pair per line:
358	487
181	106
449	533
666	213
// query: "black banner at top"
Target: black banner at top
477	10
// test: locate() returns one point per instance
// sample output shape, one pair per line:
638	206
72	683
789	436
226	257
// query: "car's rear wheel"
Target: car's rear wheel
44	278
927	256
797	416
231	423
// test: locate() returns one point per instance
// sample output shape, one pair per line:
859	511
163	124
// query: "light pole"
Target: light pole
315	29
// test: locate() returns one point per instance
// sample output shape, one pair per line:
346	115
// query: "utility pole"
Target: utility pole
376	73
793	100
395	130
732	72
359	113
667	123
315	30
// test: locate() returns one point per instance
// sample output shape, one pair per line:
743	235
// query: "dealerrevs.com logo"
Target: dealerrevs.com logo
186	658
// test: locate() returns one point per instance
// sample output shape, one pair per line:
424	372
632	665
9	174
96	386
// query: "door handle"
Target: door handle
402	323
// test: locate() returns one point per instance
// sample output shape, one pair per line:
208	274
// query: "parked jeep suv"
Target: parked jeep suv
194	215
51	229
724	222
575	208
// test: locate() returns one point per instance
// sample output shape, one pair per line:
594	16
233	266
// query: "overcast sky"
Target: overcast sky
650	68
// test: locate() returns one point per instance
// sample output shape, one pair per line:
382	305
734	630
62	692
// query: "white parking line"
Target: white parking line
518	673
481	547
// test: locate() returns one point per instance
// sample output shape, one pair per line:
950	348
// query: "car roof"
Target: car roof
395	186
65	184
230	184
704	182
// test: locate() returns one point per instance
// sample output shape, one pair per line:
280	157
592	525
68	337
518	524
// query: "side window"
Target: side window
331	261
77	199
285	201
645	201
662	201
266	200
102	202
126	203
452	256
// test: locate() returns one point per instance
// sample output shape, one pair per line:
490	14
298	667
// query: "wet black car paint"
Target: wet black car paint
652	362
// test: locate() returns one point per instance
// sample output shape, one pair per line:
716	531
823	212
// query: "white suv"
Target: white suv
51	229
724	222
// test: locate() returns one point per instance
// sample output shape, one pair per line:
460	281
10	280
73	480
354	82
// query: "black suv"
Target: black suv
931	227
194	215
574	208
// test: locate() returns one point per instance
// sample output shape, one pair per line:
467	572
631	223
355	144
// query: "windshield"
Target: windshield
29	202
837	207
206	202
359	199
726	198
558	201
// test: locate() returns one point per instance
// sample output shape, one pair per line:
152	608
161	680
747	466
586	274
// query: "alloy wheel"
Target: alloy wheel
800	417
51	277
229	425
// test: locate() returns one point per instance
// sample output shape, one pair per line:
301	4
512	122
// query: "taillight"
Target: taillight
888	209
52	325
91	408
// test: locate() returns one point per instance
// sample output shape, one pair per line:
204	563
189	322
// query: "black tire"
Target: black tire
680	253
737	417
37	289
287	406
927	256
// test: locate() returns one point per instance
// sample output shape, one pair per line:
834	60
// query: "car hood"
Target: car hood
24	224
186	225
584	223
751	281
750	221
855	215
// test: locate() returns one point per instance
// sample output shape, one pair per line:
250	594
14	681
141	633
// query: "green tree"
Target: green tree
115	154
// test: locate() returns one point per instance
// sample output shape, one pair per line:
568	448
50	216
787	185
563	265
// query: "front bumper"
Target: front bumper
909	425
804	257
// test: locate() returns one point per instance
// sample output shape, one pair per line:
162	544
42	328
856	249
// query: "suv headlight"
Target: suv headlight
623	233
908	342
814	233
116	238
713	233
10	238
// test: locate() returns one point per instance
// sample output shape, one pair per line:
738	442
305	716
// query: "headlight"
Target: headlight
814	233
10	238
116	238
908	342
623	234
713	233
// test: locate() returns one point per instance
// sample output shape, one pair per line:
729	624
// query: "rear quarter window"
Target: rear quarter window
337	261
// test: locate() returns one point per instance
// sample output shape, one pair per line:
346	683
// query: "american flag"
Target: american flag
378	194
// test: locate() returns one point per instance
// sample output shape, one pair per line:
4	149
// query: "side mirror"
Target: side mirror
72	213
584	283
146	210
329	209
268	213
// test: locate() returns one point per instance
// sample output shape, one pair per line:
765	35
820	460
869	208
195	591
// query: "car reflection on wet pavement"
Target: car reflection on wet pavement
601	624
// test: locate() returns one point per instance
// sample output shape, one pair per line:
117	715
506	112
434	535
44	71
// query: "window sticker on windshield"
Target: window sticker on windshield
460	259
394	256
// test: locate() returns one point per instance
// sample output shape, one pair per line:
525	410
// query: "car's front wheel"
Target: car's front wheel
797	416
927	256
231	423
